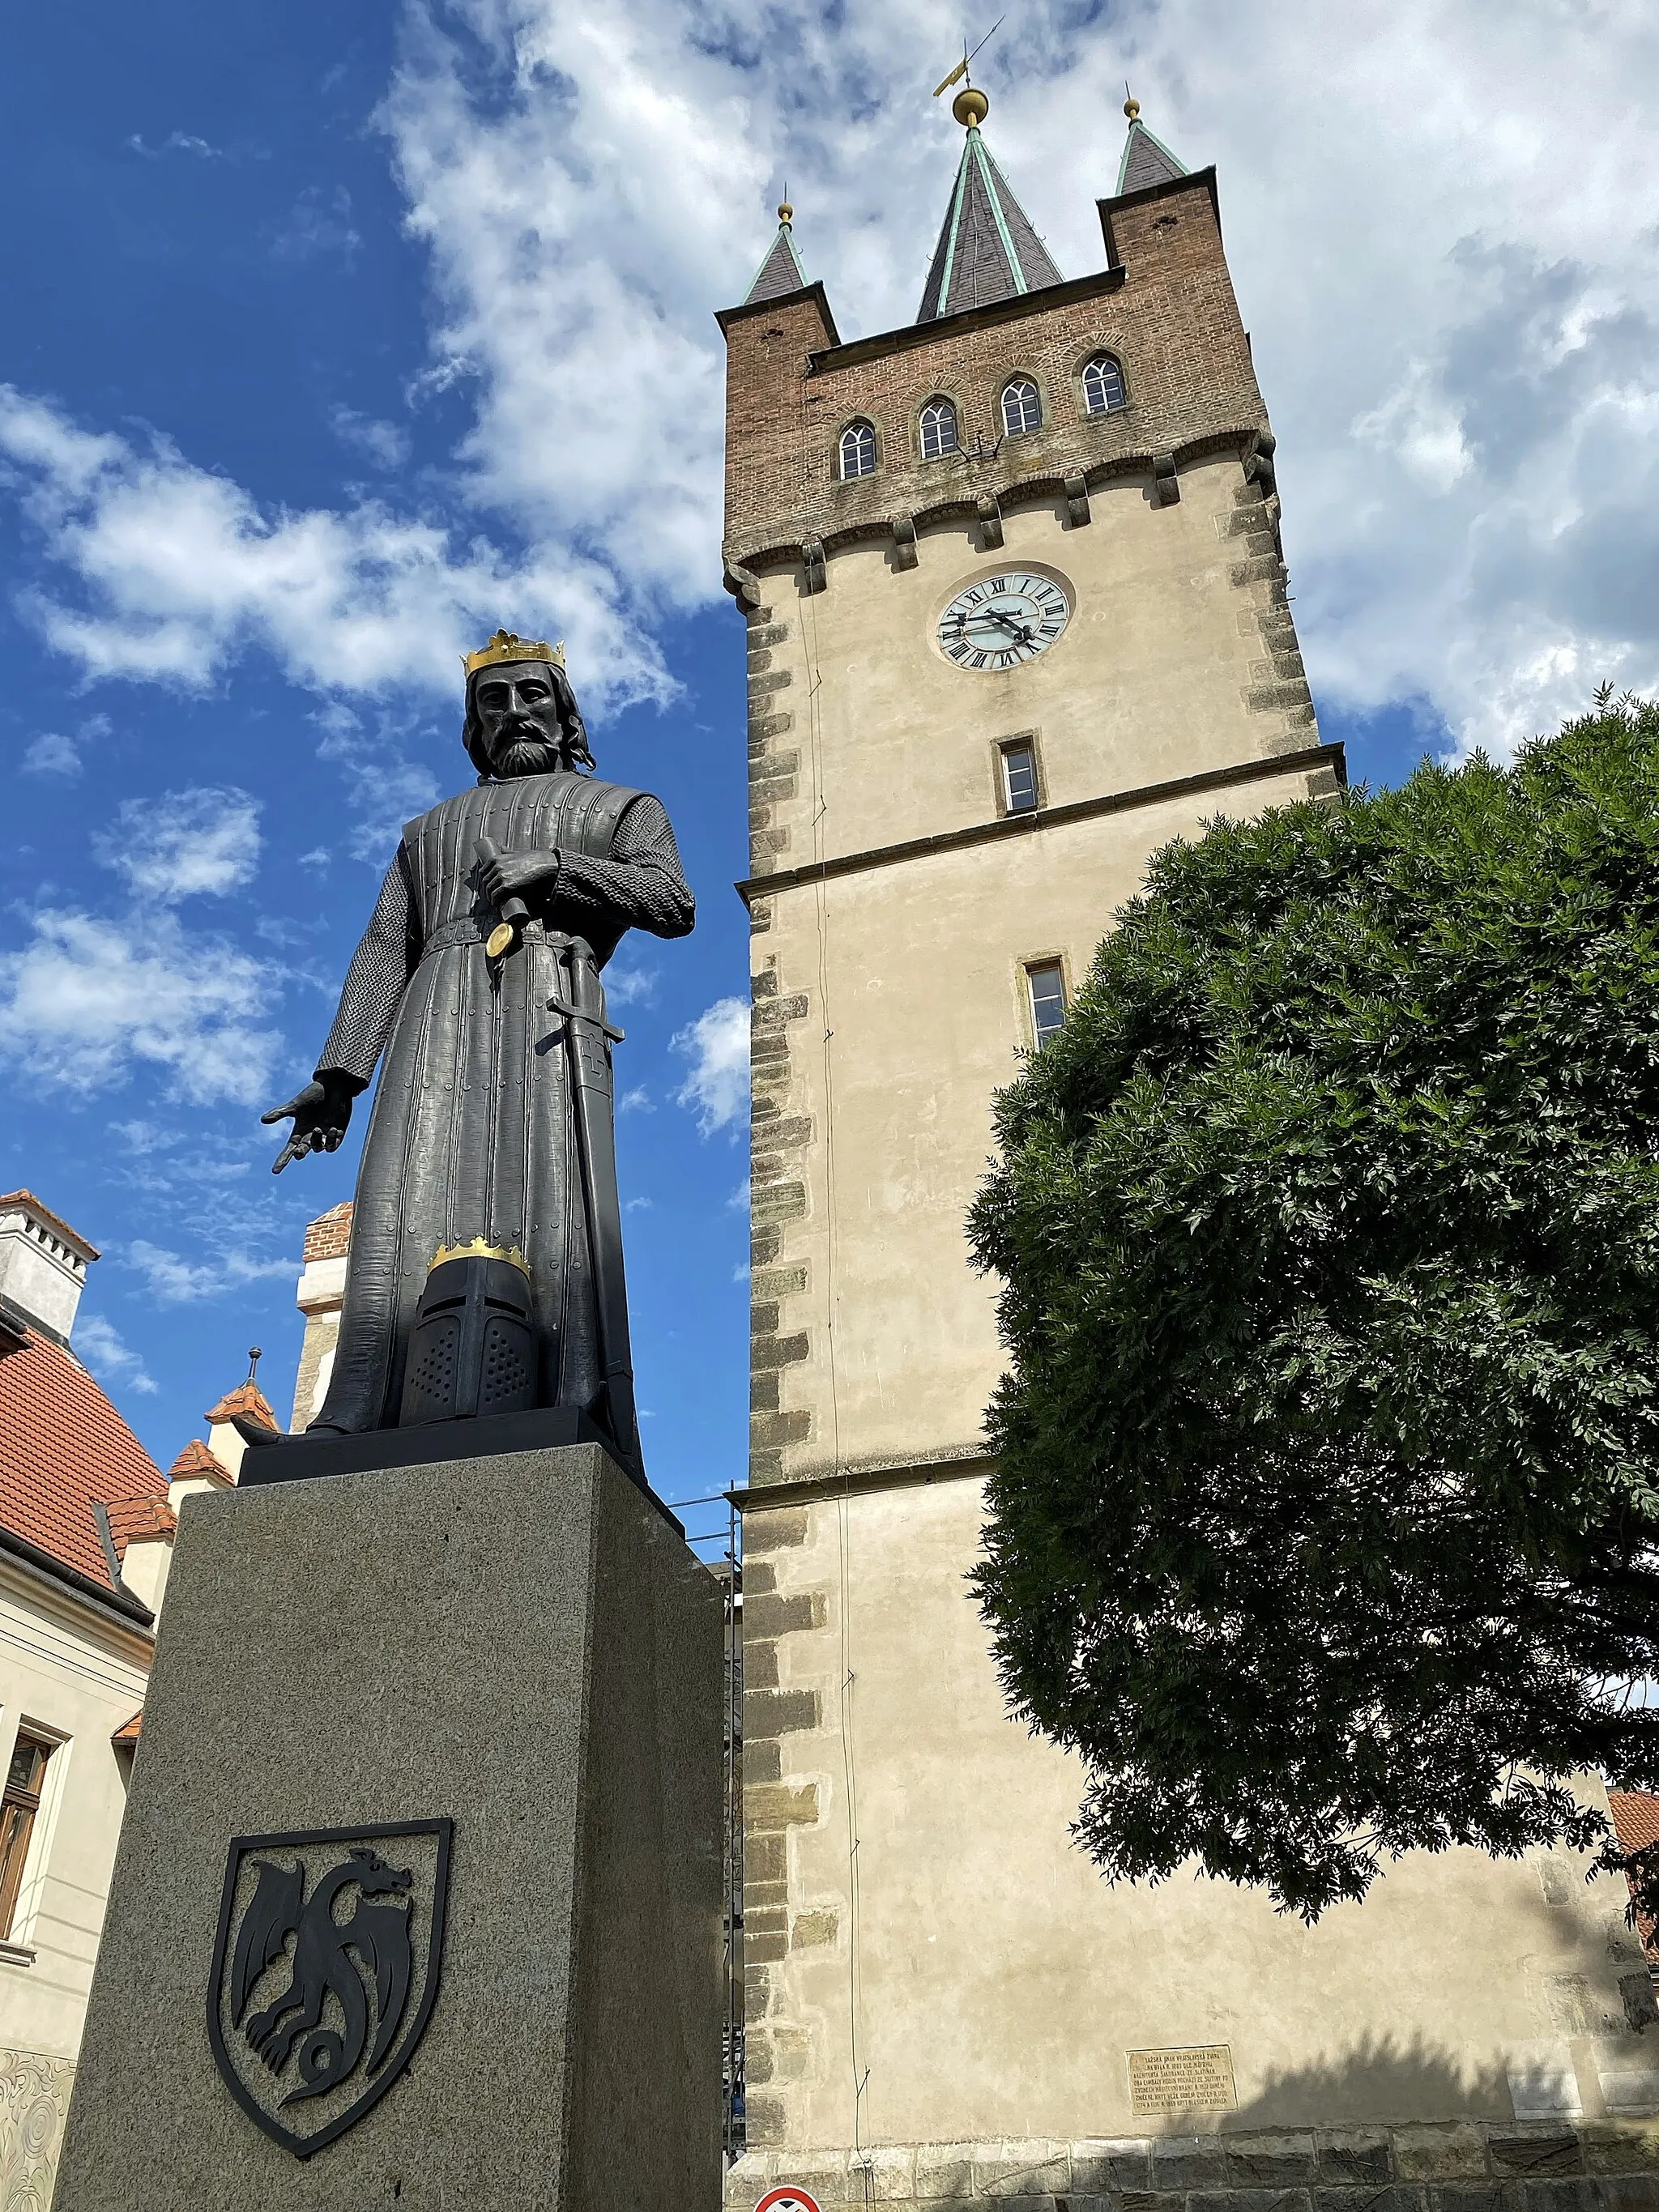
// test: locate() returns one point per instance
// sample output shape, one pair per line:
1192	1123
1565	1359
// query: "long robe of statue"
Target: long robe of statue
473	1134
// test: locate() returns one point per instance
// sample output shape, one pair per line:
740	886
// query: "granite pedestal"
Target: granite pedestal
521	1648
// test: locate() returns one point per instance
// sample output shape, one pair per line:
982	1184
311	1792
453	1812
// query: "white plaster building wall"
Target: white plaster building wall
1159	673
905	1003
76	1677
995	1982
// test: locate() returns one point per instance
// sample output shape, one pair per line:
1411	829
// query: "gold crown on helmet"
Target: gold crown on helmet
507	645
480	1249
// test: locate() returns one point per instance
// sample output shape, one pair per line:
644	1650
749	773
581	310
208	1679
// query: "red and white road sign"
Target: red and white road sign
788	2199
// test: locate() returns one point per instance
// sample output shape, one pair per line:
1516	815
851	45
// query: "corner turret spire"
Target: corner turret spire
780	271
1146	160
987	249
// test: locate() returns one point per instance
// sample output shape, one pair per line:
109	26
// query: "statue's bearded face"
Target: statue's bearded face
518	715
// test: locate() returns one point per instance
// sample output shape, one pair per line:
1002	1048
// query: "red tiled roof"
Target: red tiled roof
64	1446
56	1220
246	1398
330	1234
138	1521
1635	1818
128	1732
196	1458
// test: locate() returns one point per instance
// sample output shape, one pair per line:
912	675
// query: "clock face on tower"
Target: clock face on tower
1003	620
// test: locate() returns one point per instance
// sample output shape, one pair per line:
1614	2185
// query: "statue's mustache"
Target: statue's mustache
513	746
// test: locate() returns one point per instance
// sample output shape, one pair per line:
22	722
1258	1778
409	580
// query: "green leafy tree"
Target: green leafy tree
1327	1494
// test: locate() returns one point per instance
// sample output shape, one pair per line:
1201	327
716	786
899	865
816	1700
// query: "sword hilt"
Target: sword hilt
577	1014
504	937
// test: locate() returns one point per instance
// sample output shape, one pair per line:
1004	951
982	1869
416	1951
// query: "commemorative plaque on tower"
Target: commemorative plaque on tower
417	1899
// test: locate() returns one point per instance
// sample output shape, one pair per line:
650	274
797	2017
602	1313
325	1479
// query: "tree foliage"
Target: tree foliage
1328	1493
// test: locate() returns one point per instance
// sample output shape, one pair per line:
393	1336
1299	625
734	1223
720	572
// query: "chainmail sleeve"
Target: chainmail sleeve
640	884
382	965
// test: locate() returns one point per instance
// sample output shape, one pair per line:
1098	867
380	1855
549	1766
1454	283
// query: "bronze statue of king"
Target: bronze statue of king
485	1268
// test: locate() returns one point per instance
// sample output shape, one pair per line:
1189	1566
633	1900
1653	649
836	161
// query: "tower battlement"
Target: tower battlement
1163	308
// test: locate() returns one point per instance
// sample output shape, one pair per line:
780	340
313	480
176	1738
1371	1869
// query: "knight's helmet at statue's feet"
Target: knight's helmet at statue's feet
472	1350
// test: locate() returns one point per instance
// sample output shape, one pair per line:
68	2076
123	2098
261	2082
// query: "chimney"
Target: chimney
322	1290
43	1266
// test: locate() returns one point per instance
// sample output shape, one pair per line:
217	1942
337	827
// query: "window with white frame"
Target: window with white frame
1019	776
1102	385
1046	979
1022	408
857	451
20	1807
938	430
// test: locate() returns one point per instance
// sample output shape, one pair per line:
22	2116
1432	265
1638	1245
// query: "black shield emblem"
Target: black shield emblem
325	1970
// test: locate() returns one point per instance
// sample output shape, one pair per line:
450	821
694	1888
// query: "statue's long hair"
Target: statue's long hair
572	731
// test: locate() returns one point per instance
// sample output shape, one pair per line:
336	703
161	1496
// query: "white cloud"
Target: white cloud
206	840
54	752
635	1101
716	1088
1449	284
177	572
88	998
384	443
175	1280
384	788
626	986
102	1348
176	142
319	222
51	754
143	1137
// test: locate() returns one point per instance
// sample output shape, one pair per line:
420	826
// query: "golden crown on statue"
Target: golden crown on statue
505	645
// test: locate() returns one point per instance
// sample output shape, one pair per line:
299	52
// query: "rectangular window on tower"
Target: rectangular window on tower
18	1808
1019	791
1047	981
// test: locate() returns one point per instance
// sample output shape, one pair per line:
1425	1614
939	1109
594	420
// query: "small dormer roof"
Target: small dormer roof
1146	160
780	271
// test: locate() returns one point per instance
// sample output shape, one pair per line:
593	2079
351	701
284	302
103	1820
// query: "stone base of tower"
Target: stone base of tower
1454	2166
948	2006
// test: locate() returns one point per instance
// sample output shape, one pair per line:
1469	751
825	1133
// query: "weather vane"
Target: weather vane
961	68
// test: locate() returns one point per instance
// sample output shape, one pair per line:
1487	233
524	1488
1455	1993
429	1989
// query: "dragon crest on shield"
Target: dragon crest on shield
325	1970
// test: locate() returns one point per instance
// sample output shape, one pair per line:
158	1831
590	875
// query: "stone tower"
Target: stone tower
1017	618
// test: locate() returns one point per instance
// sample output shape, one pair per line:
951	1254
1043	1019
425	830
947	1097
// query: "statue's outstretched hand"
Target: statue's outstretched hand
320	1114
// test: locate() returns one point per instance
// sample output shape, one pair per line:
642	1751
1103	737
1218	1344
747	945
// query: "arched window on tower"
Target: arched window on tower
1021	409
858	452
938	430
1102	385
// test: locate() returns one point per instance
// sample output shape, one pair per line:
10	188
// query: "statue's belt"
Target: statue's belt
473	933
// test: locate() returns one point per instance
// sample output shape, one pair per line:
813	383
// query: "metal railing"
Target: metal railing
720	1548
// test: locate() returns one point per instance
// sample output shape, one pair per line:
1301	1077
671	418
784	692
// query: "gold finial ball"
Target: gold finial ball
785	213
970	107
1131	108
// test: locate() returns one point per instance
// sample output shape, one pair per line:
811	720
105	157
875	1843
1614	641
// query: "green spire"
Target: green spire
987	249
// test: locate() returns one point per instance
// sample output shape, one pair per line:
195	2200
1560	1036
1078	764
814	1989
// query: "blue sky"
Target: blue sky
338	335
